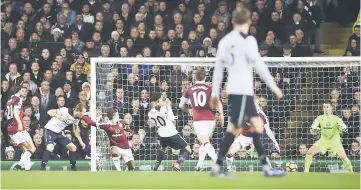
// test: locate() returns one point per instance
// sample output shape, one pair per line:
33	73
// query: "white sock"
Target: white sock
28	164
116	161
202	156
211	152
269	163
229	162
24	157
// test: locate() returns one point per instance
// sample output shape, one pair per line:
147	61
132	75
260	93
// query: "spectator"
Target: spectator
302	150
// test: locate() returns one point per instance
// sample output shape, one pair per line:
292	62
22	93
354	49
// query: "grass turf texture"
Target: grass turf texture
173	180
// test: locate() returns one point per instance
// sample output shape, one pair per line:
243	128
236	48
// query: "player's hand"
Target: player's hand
167	102
20	127
214	102
82	145
220	121
277	147
279	94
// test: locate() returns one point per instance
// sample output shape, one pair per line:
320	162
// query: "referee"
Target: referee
239	53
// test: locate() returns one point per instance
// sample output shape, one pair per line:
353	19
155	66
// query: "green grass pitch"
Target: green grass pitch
173	180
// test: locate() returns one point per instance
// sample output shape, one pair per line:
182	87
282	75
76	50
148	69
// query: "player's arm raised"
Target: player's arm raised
168	112
55	113
260	67
315	127
221	61
271	135
182	104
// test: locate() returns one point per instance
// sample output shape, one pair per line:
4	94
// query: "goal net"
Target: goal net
125	84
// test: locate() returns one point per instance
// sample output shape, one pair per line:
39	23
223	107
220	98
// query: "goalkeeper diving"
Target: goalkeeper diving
331	127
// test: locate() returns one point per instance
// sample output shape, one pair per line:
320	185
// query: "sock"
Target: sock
24	157
72	159
308	161
202	155
347	164
116	162
269	163
227	141
46	157
28	164
183	157
259	148
160	155
229	162
210	151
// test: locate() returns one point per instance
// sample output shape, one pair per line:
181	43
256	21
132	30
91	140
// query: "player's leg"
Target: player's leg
31	149
340	151
163	141
179	143
315	149
204	130
115	151
65	141
49	138
128	158
23	157
230	155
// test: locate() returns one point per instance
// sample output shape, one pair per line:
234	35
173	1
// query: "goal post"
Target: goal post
306	82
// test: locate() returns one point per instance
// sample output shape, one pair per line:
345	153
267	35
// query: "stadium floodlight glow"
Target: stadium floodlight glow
307	82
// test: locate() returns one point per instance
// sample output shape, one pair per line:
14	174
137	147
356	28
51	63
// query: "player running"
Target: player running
53	132
239	53
245	138
204	119
20	137
117	134
330	126
162	117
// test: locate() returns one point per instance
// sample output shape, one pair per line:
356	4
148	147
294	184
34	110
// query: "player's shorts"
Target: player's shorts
244	141
126	154
176	142
12	126
204	128
51	137
242	108
20	137
329	145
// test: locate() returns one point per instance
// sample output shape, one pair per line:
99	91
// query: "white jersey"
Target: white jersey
162	118
57	125
239	53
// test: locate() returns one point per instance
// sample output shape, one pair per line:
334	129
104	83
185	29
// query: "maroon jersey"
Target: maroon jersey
246	129
15	102
117	135
199	95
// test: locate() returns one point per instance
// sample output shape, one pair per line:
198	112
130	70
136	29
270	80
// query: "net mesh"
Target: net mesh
127	86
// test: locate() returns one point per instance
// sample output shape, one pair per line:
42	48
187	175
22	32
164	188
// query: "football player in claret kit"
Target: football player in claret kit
245	139
117	134
204	118
162	118
330	126
20	137
53	132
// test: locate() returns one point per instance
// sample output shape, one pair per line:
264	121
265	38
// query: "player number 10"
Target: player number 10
199	98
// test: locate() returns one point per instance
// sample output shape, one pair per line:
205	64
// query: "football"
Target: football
291	166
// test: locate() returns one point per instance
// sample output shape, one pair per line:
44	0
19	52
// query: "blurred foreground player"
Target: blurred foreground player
330	126
245	138
162	118
117	133
239	53
204	119
15	129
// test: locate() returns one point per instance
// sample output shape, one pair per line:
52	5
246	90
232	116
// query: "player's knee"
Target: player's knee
203	139
131	165
71	147
257	124
188	148
32	150
50	147
231	128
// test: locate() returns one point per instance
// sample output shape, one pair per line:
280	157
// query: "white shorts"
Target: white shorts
244	141
204	128
127	154
20	137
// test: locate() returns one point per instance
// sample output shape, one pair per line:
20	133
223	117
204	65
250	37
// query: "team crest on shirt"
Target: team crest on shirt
117	131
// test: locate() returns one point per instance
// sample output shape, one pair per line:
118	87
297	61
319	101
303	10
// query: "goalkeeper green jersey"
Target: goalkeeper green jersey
330	126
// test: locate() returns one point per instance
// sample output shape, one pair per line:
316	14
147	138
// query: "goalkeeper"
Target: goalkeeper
330	126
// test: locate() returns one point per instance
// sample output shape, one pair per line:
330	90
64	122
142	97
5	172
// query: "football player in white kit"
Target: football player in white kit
162	118
244	140
19	136
53	132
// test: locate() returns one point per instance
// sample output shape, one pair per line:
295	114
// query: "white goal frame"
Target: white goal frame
270	61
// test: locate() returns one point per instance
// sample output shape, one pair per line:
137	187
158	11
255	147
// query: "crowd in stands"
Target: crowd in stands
47	46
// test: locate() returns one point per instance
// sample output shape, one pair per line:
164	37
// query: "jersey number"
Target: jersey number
200	99
10	112
159	121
